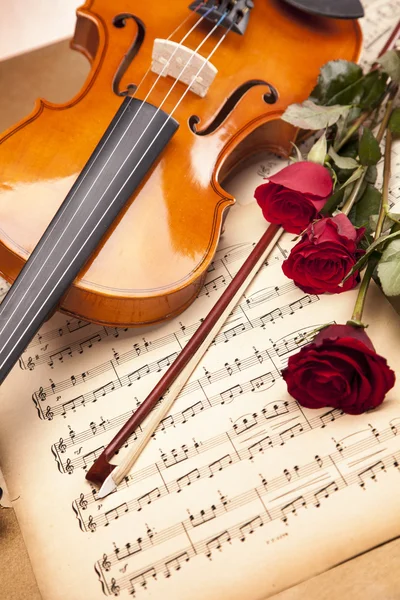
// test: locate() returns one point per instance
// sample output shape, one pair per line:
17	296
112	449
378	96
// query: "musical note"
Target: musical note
293	507
217	542
220	464
175	563
250	527
371	473
175	456
228	395
244	423
142	579
188	479
325	492
149	497
129	549
260	446
115	513
203	516
192	411
291	432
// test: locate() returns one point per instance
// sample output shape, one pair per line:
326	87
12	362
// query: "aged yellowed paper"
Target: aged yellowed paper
241	493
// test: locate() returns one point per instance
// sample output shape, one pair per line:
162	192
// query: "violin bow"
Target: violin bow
108	475
164	394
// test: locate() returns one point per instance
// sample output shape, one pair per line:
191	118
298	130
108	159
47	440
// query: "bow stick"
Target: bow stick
164	394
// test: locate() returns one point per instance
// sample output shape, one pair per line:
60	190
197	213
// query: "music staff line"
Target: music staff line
119	359
50	358
241	251
233	457
74	439
220	508
51	411
238	531
225	397
186	452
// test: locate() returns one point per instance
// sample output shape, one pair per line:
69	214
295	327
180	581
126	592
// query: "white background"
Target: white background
29	24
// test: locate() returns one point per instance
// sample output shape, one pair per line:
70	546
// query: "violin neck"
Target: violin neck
127	150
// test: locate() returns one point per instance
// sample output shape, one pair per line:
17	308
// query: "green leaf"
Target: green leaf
367	205
377	245
353	177
341	126
368	148
318	152
335	77
343	162
371	175
311	116
389	269
387	222
374	86
332	203
390	63
394	122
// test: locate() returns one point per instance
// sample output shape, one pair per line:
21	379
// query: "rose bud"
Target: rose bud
341	369
294	196
323	257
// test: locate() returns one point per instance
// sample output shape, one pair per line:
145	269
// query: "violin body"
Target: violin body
151	263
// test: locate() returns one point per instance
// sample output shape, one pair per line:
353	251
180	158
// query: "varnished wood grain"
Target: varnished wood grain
154	259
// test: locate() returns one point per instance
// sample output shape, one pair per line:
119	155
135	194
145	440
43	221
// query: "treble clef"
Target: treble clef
42	394
115	589
106	563
69	468
49	413
91	525
83	503
61	446
30	364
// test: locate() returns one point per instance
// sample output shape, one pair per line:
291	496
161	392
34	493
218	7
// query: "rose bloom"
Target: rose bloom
341	369
294	196
323	257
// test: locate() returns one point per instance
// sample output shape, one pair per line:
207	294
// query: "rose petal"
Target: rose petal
305	177
341	372
345	226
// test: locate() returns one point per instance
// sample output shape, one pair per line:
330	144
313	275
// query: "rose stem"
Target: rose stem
384	206
375	256
362	292
352	130
346	208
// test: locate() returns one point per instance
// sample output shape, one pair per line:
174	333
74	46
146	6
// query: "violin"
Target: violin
112	205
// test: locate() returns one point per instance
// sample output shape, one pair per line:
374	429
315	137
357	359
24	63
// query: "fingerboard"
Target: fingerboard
133	141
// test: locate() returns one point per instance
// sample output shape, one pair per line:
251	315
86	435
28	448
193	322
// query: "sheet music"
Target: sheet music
241	492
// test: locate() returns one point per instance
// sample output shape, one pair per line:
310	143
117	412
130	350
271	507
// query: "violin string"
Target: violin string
171	35
14	288
115	197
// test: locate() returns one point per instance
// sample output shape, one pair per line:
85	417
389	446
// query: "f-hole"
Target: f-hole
269	98
120	22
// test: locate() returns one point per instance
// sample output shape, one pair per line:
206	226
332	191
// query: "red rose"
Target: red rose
294	196
340	368
324	256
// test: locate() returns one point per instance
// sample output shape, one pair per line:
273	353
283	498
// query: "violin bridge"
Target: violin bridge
170	58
